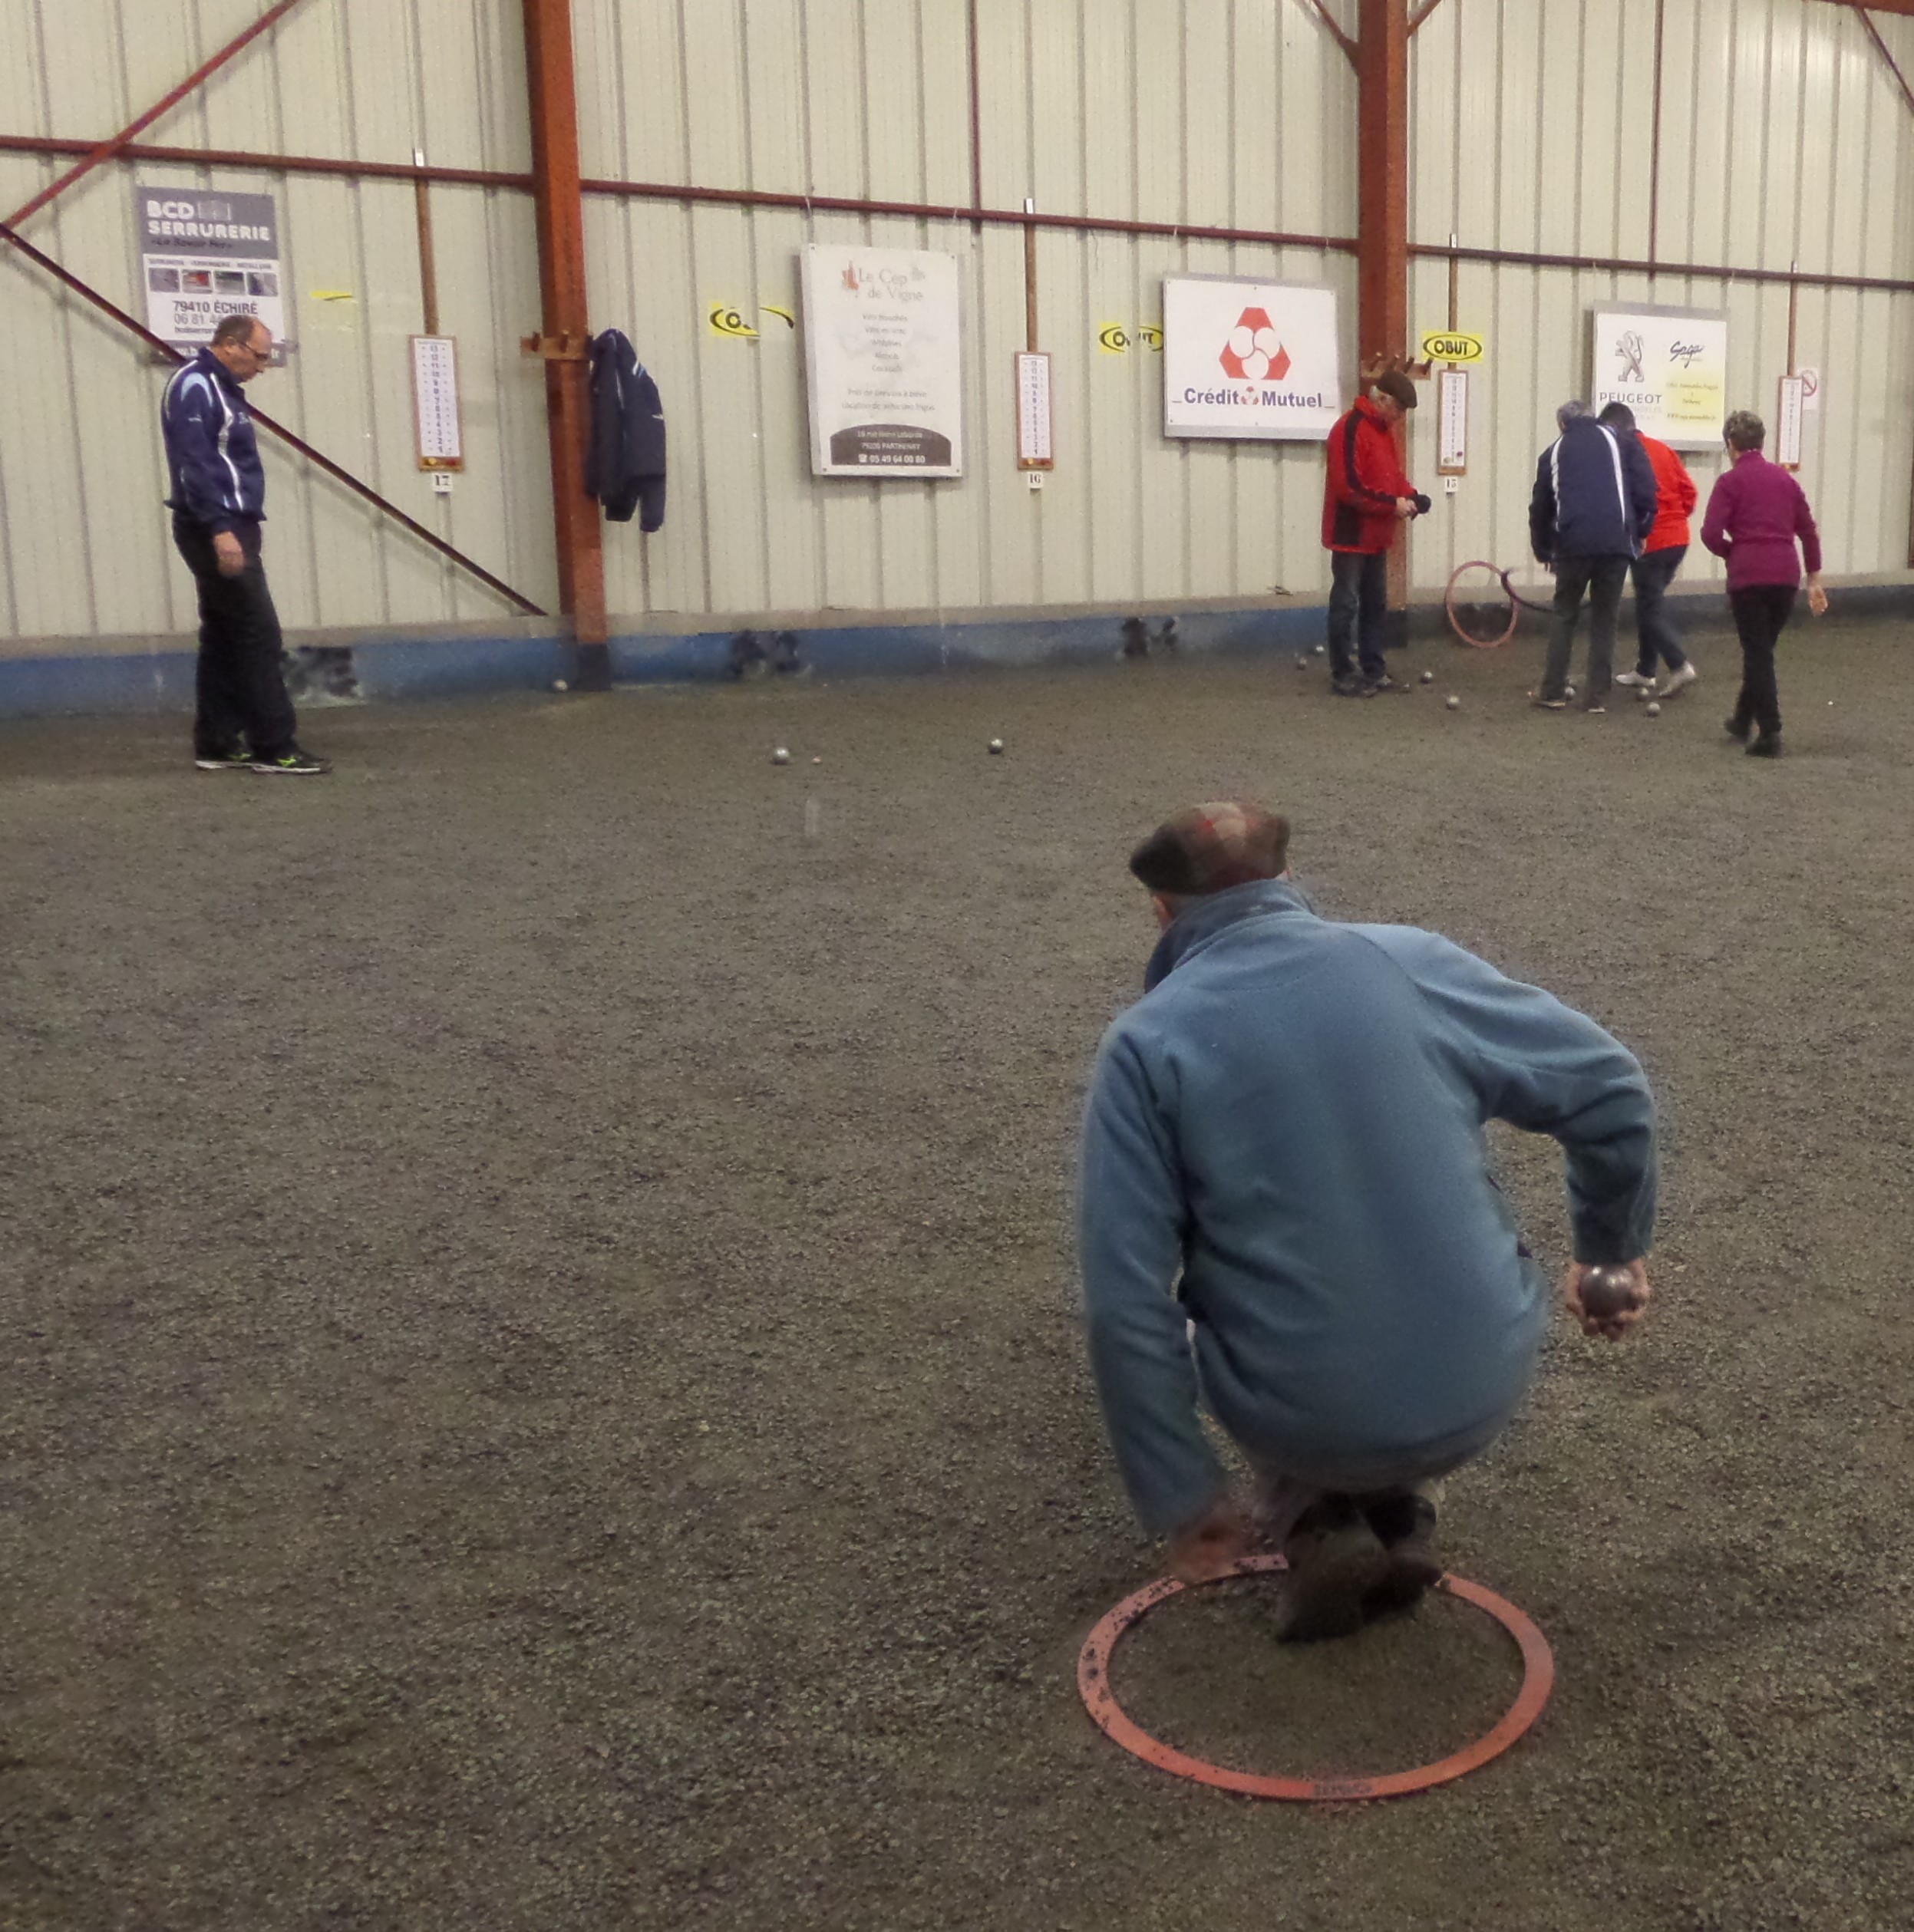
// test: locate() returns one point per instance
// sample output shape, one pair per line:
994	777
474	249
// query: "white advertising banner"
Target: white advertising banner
205	253
1670	366
884	355
1255	359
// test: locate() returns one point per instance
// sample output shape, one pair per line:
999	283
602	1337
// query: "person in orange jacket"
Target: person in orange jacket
1365	497
1656	635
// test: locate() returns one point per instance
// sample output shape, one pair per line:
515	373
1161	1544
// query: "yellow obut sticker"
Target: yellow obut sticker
783	314
1452	345
727	320
1113	339
1151	337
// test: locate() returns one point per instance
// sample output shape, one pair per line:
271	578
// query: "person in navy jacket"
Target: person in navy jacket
1593	507
244	720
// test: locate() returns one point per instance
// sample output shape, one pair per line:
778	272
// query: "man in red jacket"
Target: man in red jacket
1656	636
1366	497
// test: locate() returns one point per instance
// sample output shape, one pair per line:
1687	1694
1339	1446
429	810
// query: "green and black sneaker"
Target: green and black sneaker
238	759
294	763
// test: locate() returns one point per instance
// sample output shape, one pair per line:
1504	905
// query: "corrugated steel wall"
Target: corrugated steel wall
84	547
1783	138
1219	112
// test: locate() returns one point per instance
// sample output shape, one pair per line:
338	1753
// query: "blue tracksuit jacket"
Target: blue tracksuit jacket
1595	495
1283	1142
212	449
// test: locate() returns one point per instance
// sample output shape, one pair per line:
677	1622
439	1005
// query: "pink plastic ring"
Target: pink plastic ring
1093	1680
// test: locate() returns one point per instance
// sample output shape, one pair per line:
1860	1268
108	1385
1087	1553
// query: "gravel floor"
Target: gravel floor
544	1390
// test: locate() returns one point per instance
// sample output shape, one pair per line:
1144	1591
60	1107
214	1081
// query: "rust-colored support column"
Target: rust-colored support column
566	331
1382	206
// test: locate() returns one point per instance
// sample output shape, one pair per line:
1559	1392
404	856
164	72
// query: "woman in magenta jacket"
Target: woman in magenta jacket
1756	512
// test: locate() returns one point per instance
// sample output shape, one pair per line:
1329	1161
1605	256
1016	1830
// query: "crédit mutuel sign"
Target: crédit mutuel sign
1249	359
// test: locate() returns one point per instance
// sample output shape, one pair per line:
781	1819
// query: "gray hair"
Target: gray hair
1574	408
1744	430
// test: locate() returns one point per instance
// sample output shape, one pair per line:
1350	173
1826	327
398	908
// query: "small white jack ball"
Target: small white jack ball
559	685
1428	676
817	761
1453	704
996	747
1654	710
780	756
1319	650
1302	664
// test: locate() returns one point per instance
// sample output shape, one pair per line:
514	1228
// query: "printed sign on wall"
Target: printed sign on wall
1670	366
205	253
1255	359
883	356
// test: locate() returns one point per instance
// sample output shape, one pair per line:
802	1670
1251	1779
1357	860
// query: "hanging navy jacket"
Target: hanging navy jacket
1595	495
211	449
625	467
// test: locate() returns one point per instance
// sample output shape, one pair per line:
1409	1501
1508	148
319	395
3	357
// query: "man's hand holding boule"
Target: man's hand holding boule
1598	1317
1212	1545
229	555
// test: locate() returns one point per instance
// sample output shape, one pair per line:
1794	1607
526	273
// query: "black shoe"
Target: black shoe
238	759
1738	729
1337	1563
1384	687
294	763
1595	708
1348	687
1549	704
1768	745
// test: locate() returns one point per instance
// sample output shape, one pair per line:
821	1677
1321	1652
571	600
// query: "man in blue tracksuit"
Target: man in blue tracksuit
1589	514
1285	1208
244	720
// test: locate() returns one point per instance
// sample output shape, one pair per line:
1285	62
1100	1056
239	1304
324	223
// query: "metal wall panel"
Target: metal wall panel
83	542
1534	131
1210	112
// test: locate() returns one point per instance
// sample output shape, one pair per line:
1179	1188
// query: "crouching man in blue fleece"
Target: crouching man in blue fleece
1283	1156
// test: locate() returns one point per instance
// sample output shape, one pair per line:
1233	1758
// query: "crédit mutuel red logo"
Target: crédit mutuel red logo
1253	354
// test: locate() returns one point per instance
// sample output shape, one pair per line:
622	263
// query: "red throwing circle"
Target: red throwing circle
1093	1680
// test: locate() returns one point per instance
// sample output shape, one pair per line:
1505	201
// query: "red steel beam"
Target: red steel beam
560	207
1894	66
927	211
165	104
68	280
1382	206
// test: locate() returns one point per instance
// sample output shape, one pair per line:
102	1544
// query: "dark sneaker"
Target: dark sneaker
1549	704
1384	687
1738	729
1768	745
294	763
1336	1562
1405	1524
237	759
1348	687
1595	708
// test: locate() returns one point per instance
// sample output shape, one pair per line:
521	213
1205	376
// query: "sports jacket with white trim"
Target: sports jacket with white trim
212	449
1595	495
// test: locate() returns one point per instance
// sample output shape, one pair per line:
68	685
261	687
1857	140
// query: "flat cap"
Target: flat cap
1210	847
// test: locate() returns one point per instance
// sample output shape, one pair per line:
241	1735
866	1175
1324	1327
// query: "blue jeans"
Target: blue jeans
1654	634
1358	613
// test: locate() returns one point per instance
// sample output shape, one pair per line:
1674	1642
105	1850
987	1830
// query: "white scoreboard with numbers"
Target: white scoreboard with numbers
435	402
